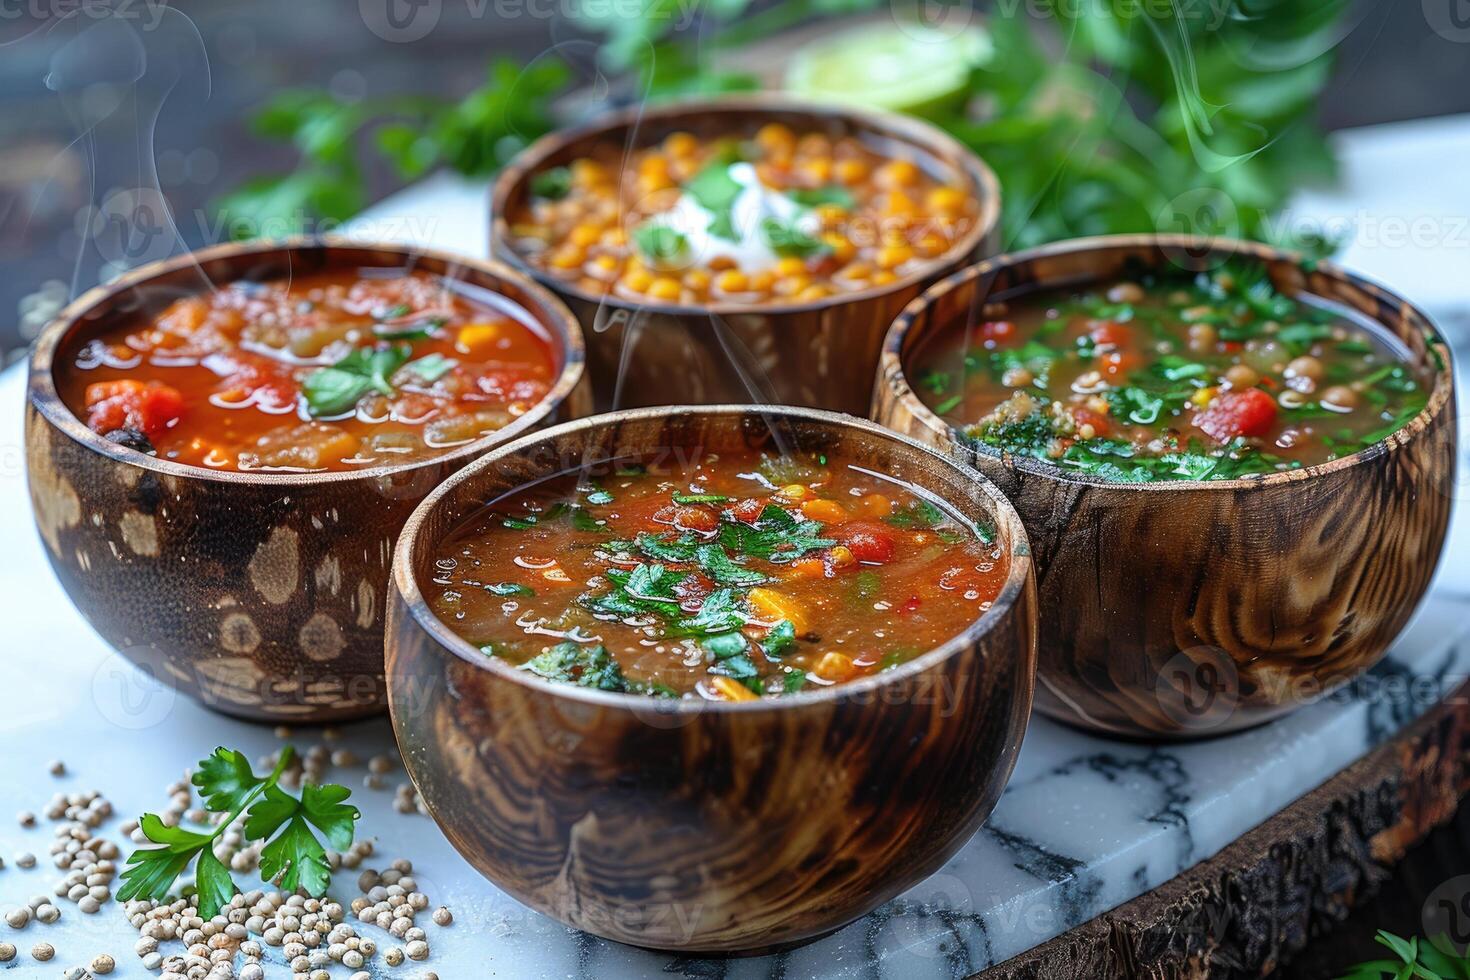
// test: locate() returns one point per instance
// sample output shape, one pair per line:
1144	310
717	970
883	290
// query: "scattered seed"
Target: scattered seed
43	951
57	768
26	818
18	918
442	916
7	952
26	861
47	913
418	950
380	764
104	964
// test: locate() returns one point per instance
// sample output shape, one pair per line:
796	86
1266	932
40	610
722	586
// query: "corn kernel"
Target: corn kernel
774	136
813	293
949	200
897	173
892	256
732	281
842	557
794	491
842	249
568	256
790	266
834	667
730	689
823	510
1203	396
584	235
636	279
697	280
665	288
681	144
850	171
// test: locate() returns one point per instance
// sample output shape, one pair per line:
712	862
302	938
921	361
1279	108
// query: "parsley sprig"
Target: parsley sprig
1415	961
293	856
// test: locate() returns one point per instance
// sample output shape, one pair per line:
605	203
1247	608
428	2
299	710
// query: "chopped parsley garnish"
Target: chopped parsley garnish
553	184
337	389
776	536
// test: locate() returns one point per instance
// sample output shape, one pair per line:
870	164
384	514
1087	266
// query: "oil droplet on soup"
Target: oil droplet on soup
734	577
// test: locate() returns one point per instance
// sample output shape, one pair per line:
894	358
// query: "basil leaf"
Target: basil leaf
713	188
788	240
831	194
553	184
699	498
509	588
659	242
431	367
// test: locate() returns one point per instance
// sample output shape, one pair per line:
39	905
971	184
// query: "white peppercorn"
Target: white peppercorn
442	916
103	964
7	952
43	951
418	950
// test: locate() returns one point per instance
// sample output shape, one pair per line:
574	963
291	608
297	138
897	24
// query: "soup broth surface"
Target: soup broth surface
337	370
728	578
1162	377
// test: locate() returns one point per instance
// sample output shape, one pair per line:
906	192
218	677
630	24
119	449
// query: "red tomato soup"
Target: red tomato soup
333	371
738	576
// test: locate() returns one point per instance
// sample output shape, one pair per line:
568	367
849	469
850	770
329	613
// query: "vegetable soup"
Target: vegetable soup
731	577
1164	377
774	216
337	370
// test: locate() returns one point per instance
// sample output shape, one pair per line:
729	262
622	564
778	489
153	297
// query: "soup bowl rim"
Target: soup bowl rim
908	129
1009	532
551	315
893	375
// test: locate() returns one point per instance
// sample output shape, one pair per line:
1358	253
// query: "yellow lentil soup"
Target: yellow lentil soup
770	216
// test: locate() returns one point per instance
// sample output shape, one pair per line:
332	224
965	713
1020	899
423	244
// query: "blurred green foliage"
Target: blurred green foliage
1099	116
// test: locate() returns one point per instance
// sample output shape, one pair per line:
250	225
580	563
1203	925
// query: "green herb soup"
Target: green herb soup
1207	377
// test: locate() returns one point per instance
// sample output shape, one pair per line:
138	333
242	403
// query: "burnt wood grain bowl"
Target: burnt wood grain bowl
709	826
820	353
1186	609
261	594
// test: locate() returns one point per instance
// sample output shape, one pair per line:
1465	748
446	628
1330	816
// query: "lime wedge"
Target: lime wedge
905	67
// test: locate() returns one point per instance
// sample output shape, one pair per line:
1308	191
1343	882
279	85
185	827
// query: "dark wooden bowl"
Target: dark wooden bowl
696	825
821	353
260	594
1195	608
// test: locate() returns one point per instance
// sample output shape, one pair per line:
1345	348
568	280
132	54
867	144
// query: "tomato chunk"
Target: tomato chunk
149	408
1251	412
868	541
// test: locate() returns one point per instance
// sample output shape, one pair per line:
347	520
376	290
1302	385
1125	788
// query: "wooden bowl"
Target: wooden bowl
696	825
820	353
260	594
1183	609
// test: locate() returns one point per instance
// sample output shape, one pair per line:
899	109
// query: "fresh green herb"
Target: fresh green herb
553	184
779	640
659	242
719	613
776	536
572	663
730	652
1135	404
935	381
830	195
336	389
949	404
292	855
528	521
583	521
509	588
917	515
715	190
1301	336
1414	960
644	590
1032	356
598	496
699	498
788	239
431	367
419	330
719	566
1354	347
668	548
793	681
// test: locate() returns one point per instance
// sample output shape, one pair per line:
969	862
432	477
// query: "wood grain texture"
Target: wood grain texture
822	353
1197	608
1245	911
708	826
262	595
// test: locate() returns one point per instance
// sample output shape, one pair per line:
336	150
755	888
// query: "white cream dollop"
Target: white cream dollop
755	202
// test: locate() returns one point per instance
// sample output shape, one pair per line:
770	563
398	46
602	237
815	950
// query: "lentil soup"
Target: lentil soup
1170	377
769	215
734	576
336	370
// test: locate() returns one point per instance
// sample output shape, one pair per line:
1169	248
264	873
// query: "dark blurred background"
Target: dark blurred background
1392	65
